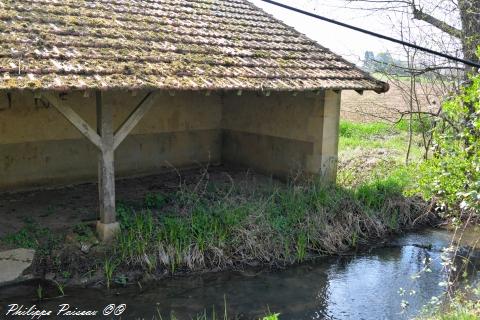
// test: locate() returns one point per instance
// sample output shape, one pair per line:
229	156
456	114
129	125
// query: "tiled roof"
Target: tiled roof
164	44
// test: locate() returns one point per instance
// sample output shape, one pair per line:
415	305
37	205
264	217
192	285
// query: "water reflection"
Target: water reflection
361	287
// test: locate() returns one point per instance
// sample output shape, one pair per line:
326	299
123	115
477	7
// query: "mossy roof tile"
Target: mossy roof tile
162	44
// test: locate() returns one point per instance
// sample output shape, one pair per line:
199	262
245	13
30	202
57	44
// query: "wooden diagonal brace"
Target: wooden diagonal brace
134	118
73	118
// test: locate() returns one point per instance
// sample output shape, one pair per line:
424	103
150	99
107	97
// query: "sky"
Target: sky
348	43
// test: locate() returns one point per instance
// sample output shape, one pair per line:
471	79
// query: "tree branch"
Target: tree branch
442	25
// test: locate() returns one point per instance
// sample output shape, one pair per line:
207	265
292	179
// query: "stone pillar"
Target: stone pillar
324	128
330	135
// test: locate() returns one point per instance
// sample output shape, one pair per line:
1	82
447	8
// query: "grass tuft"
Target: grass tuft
274	224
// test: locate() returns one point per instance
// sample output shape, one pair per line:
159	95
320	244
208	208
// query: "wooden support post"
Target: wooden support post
108	225
106	141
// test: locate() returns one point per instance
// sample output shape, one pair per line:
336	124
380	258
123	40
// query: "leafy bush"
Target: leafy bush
464	305
453	175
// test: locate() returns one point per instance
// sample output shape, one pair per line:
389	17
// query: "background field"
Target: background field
371	106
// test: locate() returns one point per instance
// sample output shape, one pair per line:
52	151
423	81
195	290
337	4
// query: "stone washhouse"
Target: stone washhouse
99	89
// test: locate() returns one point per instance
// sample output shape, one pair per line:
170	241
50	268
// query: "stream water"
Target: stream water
365	286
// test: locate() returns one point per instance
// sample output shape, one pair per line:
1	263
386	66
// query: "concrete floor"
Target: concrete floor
13	263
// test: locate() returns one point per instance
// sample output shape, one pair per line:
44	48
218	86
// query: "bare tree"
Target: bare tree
460	19
468	34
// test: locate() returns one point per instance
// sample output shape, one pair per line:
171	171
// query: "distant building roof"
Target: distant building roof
163	44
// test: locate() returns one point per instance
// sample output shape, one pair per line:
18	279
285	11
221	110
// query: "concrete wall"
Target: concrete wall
39	147
281	134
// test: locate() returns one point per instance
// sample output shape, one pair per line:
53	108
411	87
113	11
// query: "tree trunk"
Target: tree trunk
469	34
470	17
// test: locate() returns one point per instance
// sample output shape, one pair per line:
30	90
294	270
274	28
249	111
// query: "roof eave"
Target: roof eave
383	88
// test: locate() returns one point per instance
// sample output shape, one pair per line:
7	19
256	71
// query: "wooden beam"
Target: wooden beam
106	169
104	139
73	118
134	118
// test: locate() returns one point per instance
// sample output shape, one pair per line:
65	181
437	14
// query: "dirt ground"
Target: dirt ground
371	106
61	208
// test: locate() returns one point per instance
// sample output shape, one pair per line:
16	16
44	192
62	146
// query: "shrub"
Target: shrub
453	175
